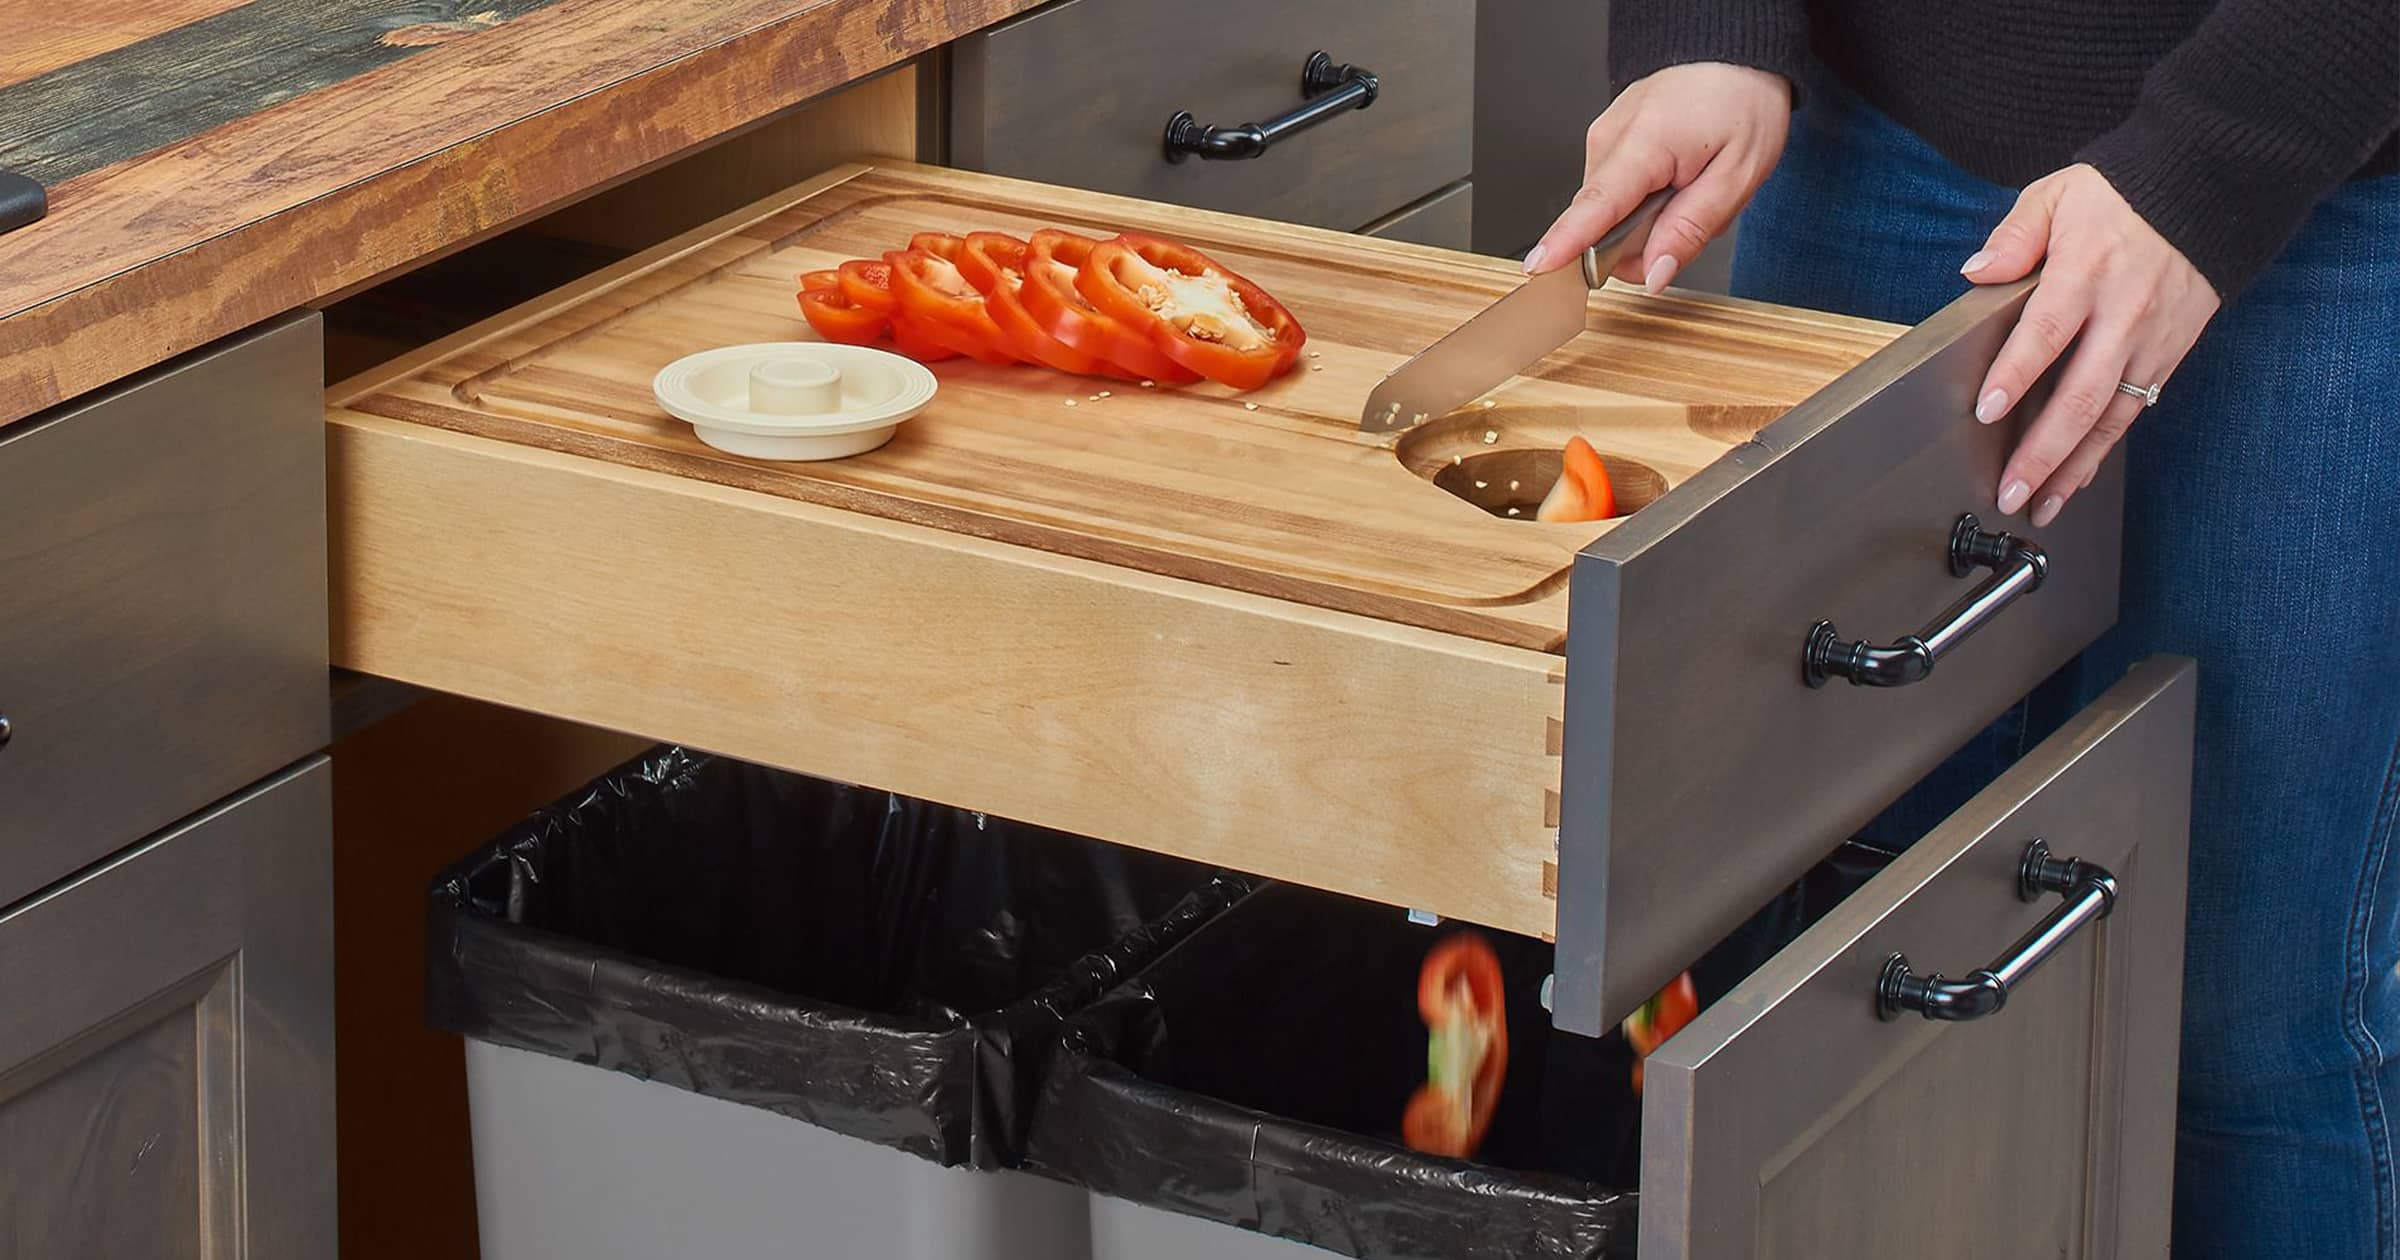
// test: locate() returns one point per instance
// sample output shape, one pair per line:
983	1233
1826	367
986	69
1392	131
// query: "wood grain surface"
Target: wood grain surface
330	189
220	68
1275	493
45	37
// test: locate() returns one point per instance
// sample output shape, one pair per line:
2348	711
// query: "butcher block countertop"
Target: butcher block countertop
212	163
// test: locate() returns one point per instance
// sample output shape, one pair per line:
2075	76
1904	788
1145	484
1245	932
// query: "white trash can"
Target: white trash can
574	1162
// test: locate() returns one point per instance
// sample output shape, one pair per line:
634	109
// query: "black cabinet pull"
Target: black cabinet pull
2018	568
6	729
2090	893
1329	89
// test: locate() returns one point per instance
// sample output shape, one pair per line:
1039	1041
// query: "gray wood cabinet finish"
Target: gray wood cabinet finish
1445	219
1790	1121
166	1064
1701	771
162	554
1079	94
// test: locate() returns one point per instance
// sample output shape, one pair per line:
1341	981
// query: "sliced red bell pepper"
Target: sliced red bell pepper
1460	996
1660	1018
1582	491
1053	259
812	281
1199	314
994	262
836	318
939	304
867	282
907	341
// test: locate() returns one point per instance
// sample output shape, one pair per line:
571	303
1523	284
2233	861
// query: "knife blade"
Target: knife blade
1510	335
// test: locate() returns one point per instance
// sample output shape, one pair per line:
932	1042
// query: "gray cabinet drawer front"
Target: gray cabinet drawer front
1701	771
1790	1119
162	555
1079	94
1445	219
166	1064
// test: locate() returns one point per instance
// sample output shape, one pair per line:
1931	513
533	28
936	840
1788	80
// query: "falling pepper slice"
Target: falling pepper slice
1460	997
1661	1017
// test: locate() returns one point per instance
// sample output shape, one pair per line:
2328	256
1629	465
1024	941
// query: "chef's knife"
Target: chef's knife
1510	335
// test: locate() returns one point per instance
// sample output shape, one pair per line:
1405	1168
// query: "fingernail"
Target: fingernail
1655	280
1533	259
1975	262
1992	406
2013	496
2046	511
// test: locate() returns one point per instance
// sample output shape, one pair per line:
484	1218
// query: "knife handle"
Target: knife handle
1634	228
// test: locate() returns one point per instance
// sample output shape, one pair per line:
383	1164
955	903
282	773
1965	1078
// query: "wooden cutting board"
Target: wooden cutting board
1274	492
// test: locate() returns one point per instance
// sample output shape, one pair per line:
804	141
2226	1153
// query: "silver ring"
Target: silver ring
2147	393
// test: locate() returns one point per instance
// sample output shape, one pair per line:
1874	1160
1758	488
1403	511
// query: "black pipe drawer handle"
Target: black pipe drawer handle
7	729
2018	568
1327	88
2090	893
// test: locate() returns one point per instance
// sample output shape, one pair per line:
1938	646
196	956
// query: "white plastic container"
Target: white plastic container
574	1162
794	400
1123	1230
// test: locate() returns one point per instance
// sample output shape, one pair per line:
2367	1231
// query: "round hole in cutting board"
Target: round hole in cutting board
1502	479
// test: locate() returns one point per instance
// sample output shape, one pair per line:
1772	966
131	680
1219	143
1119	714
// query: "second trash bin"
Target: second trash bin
715	1009
1256	1074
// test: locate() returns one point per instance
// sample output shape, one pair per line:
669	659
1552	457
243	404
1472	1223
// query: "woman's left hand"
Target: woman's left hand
2129	303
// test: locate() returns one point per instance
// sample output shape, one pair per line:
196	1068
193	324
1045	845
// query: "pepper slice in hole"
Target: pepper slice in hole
1582	491
1193	309
1460	996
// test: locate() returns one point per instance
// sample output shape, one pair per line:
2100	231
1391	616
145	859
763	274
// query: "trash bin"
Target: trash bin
1255	1076
715	1009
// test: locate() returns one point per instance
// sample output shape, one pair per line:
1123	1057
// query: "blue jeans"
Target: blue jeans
2262	537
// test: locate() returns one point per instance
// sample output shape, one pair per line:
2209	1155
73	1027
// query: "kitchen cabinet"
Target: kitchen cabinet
166	1063
1081	94
1259	638
166	1067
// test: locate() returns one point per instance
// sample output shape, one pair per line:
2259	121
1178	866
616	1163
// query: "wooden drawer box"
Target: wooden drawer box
1231	628
162	554
1079	93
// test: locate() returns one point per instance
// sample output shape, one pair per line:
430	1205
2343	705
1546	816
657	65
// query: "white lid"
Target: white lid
792	399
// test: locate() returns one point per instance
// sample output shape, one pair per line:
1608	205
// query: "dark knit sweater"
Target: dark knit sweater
2223	122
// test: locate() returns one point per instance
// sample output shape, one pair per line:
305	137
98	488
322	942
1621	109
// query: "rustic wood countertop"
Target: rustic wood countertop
212	163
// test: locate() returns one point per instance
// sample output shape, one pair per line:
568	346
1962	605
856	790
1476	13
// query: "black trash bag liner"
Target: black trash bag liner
1256	1073
870	963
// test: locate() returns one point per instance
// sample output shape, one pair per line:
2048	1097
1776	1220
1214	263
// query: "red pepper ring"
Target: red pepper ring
1460	996
867	282
1661	1017
994	262
1195	311
837	319
1052	262
940	306
812	281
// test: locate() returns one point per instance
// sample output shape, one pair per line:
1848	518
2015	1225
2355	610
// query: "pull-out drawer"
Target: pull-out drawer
1236	628
162	562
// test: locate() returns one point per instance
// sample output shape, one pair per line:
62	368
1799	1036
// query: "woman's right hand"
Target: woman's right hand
1712	130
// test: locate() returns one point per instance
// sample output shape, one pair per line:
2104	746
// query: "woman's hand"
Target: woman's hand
1712	130
2131	304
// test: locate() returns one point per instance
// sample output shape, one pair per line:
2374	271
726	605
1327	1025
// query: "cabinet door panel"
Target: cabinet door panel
166	1067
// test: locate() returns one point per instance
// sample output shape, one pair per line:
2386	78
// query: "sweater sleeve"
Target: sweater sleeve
1650	35
2255	118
